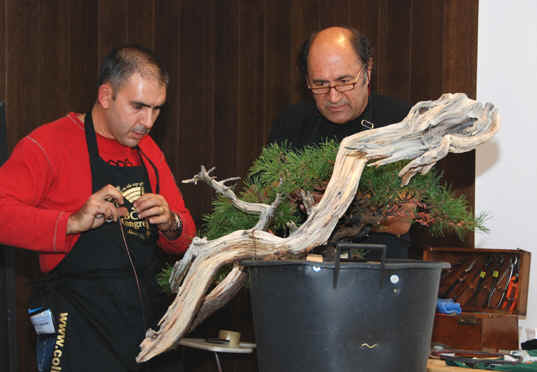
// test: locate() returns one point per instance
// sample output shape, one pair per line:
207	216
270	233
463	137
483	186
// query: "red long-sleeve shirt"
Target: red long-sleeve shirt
48	177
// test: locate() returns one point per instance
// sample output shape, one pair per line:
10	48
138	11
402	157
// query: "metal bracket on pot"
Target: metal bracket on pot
349	247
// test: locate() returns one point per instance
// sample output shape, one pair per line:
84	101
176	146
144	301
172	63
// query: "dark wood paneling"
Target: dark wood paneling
333	13
459	74
459	52
3	43
226	88
83	58
427	58
141	22
23	93
8	308
364	16
304	21
445	60
54	58
113	25
393	48
167	46
196	99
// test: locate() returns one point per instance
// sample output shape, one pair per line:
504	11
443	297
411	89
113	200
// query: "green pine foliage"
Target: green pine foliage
163	278
282	170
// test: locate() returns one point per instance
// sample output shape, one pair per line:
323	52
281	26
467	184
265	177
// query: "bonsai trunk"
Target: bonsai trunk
453	123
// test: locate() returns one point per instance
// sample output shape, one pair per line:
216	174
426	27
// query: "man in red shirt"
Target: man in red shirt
93	194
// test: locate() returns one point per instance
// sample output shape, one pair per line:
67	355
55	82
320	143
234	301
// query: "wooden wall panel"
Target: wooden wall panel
141	23
445	60
427	59
196	98
21	94
3	51
166	130
227	99
393	47
23	90
83	57
332	13
304	20
112	23
276	66
365	18
459	72
54	21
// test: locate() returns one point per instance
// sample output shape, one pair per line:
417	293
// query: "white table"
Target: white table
200	343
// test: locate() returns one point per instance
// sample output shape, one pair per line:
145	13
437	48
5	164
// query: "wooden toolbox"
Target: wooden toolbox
492	287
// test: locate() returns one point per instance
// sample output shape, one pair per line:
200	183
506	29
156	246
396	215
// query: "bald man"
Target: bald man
336	63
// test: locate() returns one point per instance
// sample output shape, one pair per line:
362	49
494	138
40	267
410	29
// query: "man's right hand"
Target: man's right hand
98	209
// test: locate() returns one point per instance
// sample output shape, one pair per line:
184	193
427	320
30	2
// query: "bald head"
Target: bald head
331	44
337	70
344	37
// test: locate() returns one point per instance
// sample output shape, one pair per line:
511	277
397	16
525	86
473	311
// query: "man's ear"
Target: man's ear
105	95
369	70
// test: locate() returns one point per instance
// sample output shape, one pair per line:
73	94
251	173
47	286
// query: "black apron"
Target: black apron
93	293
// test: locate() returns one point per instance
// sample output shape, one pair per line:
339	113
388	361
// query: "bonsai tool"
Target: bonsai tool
467	279
494	275
512	290
514	262
496	283
476	359
482	277
461	279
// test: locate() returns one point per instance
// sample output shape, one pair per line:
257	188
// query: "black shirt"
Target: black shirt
302	124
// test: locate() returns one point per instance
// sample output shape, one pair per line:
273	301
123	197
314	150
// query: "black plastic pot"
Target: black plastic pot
378	317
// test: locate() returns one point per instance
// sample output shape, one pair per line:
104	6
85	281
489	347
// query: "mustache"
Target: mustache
336	104
140	129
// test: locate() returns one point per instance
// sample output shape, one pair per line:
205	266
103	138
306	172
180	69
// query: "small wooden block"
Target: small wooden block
314	257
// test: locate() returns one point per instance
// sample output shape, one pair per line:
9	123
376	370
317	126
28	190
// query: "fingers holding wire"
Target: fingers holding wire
155	208
103	206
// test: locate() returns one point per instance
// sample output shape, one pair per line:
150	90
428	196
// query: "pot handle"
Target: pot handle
342	247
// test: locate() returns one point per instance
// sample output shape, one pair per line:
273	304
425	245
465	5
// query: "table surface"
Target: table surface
200	343
435	365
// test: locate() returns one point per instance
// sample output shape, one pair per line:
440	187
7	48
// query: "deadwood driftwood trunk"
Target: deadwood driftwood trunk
453	123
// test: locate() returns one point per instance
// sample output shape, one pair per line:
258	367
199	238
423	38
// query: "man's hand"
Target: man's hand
156	210
101	207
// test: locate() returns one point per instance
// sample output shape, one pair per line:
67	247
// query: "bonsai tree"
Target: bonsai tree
290	219
302	177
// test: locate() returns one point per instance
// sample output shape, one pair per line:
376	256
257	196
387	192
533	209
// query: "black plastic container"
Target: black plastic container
363	317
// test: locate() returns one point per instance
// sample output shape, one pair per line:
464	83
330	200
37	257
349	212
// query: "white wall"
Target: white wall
506	167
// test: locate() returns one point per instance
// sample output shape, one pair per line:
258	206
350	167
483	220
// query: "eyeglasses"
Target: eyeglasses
341	87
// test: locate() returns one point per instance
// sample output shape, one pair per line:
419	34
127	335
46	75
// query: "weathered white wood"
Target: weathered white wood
453	123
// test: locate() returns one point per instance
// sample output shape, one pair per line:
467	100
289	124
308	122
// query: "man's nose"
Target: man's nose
147	118
333	95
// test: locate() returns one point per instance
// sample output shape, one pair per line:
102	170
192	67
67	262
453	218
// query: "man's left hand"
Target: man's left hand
156	210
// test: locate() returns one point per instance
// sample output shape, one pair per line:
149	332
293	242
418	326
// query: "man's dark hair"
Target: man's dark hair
359	42
121	63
